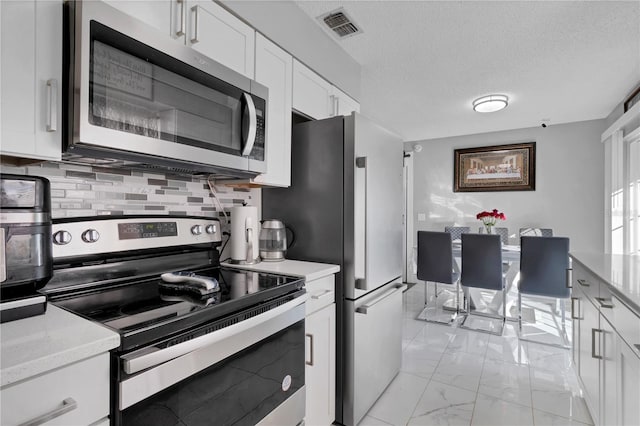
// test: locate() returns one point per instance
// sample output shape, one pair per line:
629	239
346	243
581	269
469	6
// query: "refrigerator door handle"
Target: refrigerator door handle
365	308
360	225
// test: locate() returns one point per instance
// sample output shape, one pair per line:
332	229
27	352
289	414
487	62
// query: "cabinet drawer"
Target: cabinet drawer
85	383
587	282
321	293
623	319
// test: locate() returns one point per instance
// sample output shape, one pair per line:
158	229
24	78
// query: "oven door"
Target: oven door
251	372
138	95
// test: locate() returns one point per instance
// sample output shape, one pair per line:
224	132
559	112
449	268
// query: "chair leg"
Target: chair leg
520	312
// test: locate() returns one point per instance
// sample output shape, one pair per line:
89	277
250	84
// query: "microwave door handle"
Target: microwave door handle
253	125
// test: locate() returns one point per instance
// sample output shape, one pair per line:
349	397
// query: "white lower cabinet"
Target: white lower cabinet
77	394
606	353
320	369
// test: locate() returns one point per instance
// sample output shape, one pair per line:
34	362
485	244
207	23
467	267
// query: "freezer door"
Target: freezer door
373	215
373	327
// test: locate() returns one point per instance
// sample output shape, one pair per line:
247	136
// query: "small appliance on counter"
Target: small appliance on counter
26	263
245	229
273	240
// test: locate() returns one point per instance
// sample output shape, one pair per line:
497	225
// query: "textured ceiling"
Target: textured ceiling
424	62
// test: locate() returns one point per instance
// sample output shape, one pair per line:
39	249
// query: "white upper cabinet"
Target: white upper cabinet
221	36
202	24
311	93
316	97
274	70
343	103
31	79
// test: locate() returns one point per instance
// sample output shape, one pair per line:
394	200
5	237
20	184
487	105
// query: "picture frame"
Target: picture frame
632	100
509	167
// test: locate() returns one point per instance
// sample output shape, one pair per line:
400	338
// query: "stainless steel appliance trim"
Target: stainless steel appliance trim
364	309
24	217
150	356
272	256
22	302
3	257
253	125
68	404
214	348
290	412
91	139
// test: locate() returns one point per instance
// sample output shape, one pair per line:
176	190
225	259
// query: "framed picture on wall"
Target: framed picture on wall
495	168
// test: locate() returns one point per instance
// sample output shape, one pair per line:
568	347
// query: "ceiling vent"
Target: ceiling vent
340	23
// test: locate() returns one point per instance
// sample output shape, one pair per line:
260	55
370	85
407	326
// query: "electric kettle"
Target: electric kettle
273	240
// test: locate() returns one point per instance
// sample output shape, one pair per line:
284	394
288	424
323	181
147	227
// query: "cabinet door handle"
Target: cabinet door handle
569	278
196	19
180	31
52	105
69	404
605	303
593	343
584	283
321	294
573	309
337	107
637	346
310	362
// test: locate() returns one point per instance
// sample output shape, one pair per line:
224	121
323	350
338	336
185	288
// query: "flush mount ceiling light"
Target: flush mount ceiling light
491	103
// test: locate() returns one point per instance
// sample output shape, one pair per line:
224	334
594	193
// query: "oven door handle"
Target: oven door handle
151	356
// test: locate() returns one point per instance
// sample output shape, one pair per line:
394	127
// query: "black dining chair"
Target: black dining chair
544	266
482	268
457	231
503	232
536	232
436	264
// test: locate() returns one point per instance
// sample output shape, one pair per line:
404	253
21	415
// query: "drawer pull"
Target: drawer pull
321	294
573	309
584	283
593	343
69	404
605	303
310	362
637	346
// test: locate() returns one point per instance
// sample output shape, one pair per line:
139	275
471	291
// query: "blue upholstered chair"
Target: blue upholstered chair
457	231
544	263
436	264
482	268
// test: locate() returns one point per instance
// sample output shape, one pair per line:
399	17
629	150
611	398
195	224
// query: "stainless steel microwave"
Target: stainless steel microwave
135	97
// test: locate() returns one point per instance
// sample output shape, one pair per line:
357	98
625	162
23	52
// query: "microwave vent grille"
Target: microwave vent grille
340	23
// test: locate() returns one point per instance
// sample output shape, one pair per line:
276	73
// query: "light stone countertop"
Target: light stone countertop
620	272
309	270
35	345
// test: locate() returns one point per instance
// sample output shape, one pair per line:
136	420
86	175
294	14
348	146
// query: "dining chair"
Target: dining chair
457	231
544	266
503	232
436	264
536	232
482	268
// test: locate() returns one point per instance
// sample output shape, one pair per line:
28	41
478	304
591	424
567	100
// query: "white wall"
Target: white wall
288	26
569	184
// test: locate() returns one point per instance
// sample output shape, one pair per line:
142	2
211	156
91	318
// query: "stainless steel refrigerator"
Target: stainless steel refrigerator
345	207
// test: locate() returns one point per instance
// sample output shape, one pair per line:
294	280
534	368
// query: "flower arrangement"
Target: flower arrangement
489	218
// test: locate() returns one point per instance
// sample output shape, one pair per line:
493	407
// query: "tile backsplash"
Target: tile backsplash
78	190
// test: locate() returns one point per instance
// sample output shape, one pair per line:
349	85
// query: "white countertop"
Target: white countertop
309	270
35	345
620	272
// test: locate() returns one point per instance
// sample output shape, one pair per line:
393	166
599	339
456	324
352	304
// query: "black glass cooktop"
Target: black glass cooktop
145	311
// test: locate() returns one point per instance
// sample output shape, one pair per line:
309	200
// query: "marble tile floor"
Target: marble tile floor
451	376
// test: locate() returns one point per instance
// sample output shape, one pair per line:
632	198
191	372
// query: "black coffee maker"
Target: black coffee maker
26	262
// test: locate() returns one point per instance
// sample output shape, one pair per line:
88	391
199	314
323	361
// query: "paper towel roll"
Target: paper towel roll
245	230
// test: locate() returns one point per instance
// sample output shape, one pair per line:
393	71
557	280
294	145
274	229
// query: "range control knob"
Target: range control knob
196	229
61	238
211	229
90	236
